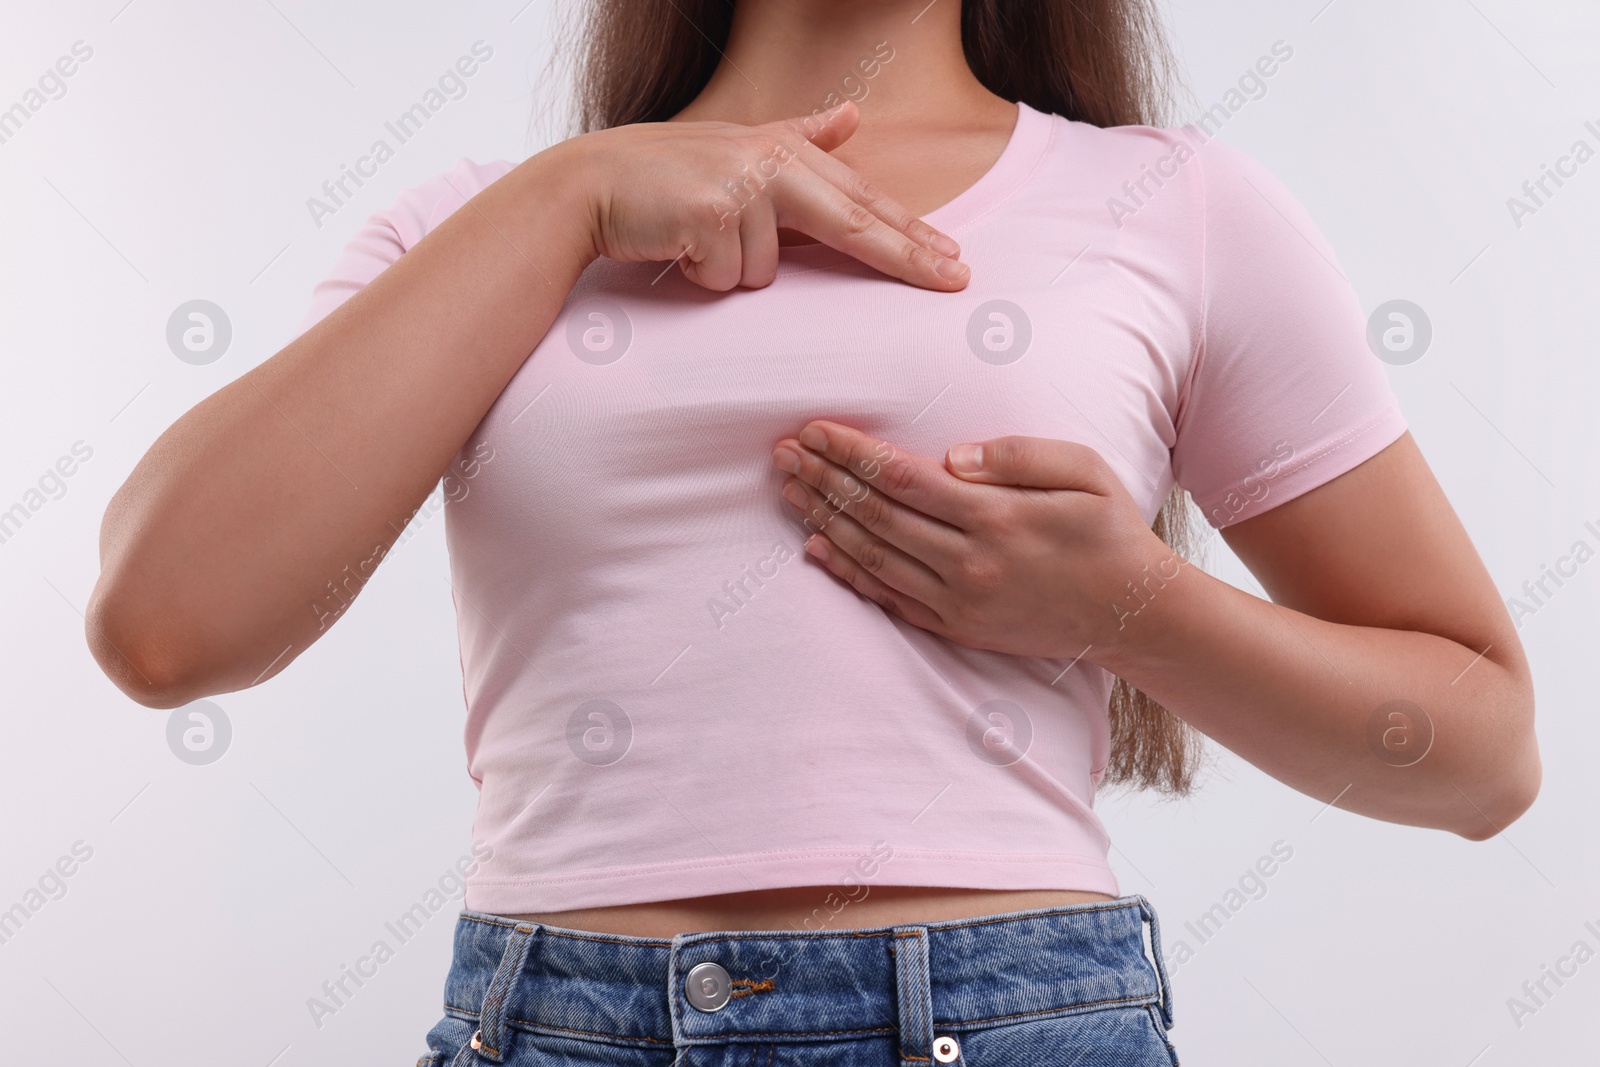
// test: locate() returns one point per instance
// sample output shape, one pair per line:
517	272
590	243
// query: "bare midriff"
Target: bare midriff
805	909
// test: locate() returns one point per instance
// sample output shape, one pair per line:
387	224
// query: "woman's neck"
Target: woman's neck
901	62
928	128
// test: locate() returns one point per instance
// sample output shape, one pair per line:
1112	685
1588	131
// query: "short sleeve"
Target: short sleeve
1283	393
390	233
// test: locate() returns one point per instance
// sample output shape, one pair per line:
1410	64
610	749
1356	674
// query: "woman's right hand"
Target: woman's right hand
713	195
241	536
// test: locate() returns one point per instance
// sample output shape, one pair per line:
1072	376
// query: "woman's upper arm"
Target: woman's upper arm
384	237
1380	546
1293	442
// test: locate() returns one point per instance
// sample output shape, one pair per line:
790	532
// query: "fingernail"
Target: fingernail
795	495
968	459
950	269
818	548
786	459
943	245
814	439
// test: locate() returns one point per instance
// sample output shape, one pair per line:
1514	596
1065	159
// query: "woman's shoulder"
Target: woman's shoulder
392	232
1165	148
1179	175
420	208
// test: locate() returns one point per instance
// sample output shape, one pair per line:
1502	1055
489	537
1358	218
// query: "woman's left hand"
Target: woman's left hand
1021	545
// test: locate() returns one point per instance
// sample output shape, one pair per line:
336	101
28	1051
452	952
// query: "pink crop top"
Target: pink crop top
666	698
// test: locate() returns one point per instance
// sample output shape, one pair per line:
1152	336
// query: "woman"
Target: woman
728	811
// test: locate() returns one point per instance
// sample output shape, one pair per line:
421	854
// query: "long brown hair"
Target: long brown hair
1103	62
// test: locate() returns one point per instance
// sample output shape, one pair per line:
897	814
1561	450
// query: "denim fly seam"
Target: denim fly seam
914	1005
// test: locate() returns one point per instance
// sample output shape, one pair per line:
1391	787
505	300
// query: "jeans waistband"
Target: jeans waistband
798	986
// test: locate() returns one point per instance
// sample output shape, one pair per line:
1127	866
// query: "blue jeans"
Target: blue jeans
1066	986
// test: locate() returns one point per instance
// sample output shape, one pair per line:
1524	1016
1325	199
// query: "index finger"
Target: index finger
915	481
878	202
853	218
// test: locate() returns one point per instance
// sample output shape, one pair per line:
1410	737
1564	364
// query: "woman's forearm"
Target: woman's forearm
1310	702
220	546
291	482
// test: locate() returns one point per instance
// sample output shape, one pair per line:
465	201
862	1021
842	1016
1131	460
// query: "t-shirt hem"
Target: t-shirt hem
831	870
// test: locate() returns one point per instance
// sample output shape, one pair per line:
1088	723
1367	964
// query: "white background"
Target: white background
219	898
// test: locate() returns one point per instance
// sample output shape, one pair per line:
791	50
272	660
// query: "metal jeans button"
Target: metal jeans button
945	1049
708	986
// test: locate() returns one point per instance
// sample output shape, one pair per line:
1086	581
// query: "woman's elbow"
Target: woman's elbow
1517	793
148	665
1512	783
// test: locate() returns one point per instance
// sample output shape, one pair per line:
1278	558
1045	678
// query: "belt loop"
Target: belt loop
914	993
492	1016
1149	914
